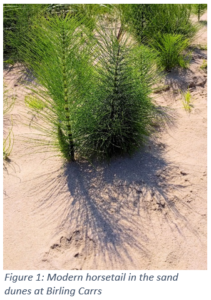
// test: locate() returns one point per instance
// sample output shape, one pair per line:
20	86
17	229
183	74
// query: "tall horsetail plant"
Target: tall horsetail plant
119	112
57	52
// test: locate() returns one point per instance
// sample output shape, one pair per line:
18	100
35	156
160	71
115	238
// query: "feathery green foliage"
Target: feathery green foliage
92	89
90	11
18	19
147	20
57	52
95	91
118	113
171	50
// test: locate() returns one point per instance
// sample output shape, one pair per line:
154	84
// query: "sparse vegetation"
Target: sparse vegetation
202	47
8	143
204	65
187	101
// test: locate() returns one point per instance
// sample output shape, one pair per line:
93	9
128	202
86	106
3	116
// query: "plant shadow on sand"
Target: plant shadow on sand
109	210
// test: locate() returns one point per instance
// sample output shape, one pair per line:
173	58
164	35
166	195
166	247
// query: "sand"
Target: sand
148	211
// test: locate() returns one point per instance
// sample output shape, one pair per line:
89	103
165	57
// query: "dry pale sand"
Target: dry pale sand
148	211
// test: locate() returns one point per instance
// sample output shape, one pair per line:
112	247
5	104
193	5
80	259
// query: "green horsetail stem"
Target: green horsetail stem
116	72
69	153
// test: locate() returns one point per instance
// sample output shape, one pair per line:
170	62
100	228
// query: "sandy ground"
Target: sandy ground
148	211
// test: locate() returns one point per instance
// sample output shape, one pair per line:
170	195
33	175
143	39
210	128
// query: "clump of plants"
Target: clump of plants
171	50
167	28
145	21
91	96
92	93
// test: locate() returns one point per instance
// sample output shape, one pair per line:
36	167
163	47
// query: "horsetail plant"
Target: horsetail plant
119	112
171	50
55	50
